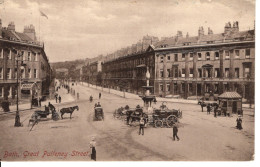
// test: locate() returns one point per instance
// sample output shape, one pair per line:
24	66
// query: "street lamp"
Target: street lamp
17	115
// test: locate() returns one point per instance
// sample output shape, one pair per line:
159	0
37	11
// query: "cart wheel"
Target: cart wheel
158	124
170	120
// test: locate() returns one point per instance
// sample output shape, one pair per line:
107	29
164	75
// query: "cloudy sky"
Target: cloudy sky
78	29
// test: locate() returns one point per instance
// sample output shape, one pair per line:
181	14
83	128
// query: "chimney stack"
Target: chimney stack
210	31
187	35
227	28
30	31
235	26
201	31
11	26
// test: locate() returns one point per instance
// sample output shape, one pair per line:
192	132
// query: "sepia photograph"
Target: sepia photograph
127	80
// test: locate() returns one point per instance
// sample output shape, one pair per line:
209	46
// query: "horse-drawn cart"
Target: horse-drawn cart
98	114
166	117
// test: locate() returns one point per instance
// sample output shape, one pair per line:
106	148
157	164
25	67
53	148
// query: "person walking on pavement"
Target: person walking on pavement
141	128
208	109
92	146
59	99
175	132
99	95
56	97
239	123
215	112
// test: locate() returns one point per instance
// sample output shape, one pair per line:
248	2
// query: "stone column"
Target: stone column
186	65
203	88
186	91
231	69
157	67
164	67
195	71
172	88
221	64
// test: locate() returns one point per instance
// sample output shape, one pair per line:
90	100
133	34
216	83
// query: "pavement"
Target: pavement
202	136
27	106
159	99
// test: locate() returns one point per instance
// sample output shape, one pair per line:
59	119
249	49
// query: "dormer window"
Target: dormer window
186	43
164	46
209	42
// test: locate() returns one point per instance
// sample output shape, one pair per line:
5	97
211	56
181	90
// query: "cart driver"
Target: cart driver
98	105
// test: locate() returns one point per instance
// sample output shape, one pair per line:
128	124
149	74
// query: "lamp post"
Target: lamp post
17	114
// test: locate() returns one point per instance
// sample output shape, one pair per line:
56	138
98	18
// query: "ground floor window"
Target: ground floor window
183	87
175	88
161	87
190	87
168	88
1	91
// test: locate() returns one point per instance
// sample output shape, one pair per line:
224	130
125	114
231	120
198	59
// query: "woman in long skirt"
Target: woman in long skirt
92	146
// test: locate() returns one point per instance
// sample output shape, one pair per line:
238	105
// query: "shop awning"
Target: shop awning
141	66
27	86
230	95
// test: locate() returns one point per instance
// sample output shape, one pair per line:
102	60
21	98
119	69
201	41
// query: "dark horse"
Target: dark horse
68	110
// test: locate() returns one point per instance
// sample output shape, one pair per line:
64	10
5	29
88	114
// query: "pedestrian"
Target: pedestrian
141	128
239	123
59	99
40	102
175	132
92	146
215	112
208	109
99	95
56	97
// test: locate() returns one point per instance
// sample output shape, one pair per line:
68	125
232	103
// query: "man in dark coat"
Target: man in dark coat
59	99
141	128
239	123
99	95
175	132
208	109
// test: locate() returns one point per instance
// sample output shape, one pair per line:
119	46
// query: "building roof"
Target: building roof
230	95
17	36
204	39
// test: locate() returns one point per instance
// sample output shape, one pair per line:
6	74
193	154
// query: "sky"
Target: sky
79	29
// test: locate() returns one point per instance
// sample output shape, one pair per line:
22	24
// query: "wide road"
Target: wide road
202	137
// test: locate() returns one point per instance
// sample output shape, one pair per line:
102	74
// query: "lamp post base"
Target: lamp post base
17	121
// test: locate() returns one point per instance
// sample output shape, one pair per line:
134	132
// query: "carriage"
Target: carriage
165	117
42	115
98	114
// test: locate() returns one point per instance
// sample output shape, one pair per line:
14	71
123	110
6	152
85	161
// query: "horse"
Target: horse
68	110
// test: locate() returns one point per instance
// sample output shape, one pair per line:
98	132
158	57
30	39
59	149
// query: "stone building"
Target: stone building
33	65
204	65
91	73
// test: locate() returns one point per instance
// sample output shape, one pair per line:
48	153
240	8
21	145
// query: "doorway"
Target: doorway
198	89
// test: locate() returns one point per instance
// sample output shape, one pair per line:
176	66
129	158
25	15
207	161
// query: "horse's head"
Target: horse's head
76	107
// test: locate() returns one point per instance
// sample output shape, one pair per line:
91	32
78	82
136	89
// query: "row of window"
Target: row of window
9	92
31	56
207	56
207	88
207	73
9	73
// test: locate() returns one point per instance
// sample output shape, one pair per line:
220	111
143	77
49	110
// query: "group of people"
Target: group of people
97	104
57	97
